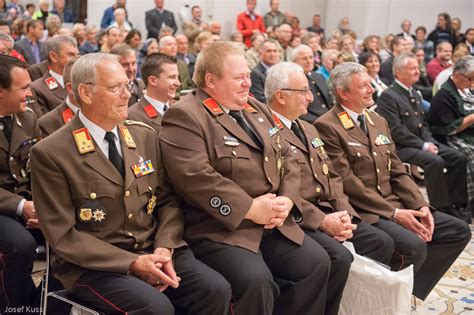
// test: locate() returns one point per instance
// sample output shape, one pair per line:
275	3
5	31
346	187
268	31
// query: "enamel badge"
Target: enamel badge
316	143
51	83
83	140
151	205
142	168
346	120
67	115
85	214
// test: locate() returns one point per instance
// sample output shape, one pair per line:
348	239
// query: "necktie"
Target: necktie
362	124
114	155
6	126
296	129
239	118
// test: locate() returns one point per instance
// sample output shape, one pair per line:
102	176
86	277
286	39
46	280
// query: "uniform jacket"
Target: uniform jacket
405	117
38	70
218	170
258	77
154	20
322	101
93	218
55	119
146	113
320	186
374	178
48	97
137	92
14	166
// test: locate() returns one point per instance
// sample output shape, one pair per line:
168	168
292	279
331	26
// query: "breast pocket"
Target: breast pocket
232	161
360	160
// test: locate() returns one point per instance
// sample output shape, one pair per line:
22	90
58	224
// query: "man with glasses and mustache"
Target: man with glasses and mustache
107	211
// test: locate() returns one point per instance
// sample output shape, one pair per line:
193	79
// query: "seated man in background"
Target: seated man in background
361	149
49	90
62	114
239	181
452	117
106	209
268	57
19	232
161	77
326	214
400	105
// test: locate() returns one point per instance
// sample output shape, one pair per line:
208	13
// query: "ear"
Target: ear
68	87
53	56
210	80
152	80
279	97
342	93
85	93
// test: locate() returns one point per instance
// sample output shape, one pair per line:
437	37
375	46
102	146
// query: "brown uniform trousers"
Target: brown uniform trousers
376	183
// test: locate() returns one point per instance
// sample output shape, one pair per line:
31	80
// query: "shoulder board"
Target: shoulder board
277	121
67	115
367	116
249	108
129	122
83	140
345	120
212	106
150	111
127	136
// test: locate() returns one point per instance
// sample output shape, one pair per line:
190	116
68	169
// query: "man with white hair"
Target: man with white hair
360	146
444	167
169	47
326	217
322	100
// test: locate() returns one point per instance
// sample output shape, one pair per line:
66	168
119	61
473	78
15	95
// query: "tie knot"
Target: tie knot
361	118
110	136
235	113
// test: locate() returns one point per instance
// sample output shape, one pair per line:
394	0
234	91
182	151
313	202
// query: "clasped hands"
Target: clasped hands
269	210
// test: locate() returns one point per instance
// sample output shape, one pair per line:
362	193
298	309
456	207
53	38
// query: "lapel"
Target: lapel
4	143
256	120
59	92
228	123
354	132
290	136
96	159
18	135
130	157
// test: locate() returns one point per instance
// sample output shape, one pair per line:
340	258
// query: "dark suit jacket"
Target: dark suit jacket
80	186
88	48
386	72
258	77
23	47
154	21
14	158
47	98
405	117
149	116
217	169
322	193
38	70
374	178
322	101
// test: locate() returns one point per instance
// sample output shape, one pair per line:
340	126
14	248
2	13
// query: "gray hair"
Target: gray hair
7	38
329	54
84	69
51	19
54	43
464	65
165	40
401	61
341	76
298	50
278	78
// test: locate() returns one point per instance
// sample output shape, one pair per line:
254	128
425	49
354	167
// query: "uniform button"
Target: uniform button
14	176
358	154
445	170
378	187
318	94
269	179
135	246
266	159
312	160
93	195
323	106
129	233
416	113
374	153
378	171
130	216
11	159
234	153
420	125
315	175
127	193
318	189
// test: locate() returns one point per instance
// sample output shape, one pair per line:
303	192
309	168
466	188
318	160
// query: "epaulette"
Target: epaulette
129	122
249	108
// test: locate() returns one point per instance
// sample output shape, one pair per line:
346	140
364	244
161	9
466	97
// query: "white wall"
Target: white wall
367	16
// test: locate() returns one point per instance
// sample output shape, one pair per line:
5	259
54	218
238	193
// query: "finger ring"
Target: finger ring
158	282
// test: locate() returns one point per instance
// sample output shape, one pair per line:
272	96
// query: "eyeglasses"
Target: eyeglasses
303	91
471	80
116	89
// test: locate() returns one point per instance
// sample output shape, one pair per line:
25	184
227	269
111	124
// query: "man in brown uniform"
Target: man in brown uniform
239	181
62	114
161	77
49	90
359	144
327	215
18	222
128	60
107	211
